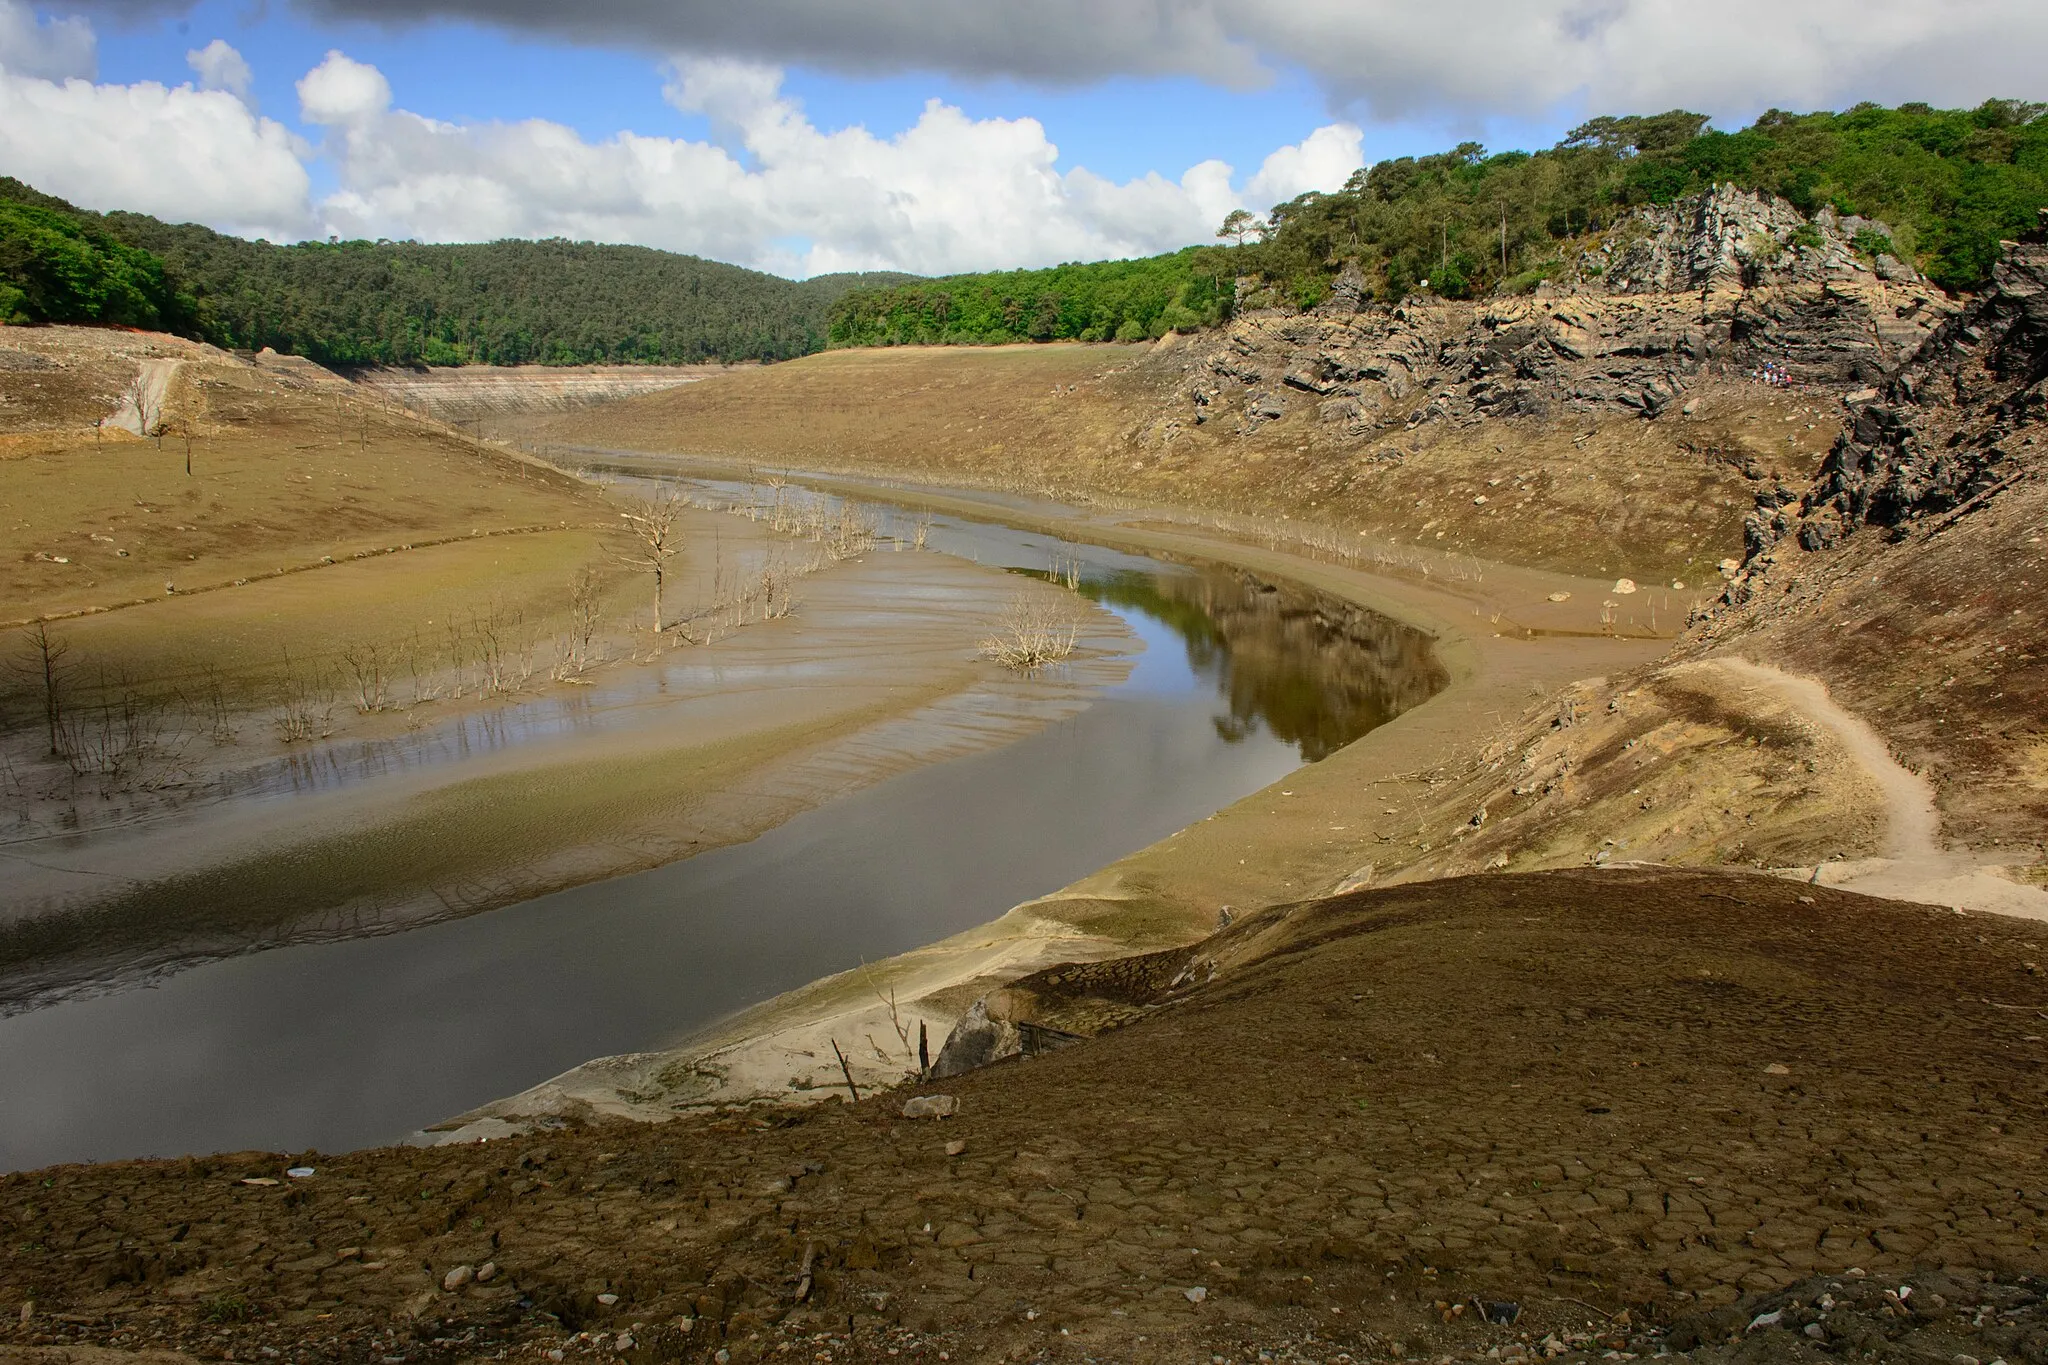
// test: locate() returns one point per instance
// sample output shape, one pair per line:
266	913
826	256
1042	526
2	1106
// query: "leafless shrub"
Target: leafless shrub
1035	630
586	615
212	707
368	668
304	710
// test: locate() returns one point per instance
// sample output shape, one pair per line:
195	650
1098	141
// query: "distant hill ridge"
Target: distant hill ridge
403	303
1935	191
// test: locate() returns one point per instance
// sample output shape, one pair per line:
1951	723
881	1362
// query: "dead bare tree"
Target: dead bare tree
45	665
660	540
148	402
182	430
586	614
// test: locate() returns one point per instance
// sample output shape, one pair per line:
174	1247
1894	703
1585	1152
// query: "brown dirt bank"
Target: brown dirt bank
1596	494
1657	1089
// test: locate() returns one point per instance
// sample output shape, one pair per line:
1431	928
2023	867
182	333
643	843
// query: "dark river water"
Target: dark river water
334	1045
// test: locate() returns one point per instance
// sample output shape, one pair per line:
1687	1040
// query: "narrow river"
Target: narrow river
341	1044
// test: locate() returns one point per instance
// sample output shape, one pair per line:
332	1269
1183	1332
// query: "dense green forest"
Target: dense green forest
56	266
1106	301
401	303
1950	183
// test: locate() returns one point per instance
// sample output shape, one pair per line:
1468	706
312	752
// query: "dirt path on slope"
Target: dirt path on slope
1916	866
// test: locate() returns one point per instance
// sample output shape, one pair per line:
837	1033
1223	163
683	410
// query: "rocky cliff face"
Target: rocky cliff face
1908	573
1947	429
1722	284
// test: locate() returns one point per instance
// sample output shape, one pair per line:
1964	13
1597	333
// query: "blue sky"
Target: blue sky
464	72
809	135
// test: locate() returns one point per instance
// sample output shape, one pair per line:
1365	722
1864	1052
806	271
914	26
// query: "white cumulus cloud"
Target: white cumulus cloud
173	151
221	67
53	49
1323	160
948	193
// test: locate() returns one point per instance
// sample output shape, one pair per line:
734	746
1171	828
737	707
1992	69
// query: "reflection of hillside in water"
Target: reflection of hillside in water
1317	671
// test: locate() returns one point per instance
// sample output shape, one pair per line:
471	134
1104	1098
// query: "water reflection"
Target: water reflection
1315	671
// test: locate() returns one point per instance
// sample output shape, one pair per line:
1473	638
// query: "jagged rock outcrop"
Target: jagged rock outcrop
1721	283
1946	429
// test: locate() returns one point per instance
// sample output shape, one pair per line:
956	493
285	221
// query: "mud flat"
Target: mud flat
1495	634
1199	683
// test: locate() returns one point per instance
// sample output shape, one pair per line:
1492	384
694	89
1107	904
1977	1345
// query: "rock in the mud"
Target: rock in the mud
931	1107
976	1041
458	1277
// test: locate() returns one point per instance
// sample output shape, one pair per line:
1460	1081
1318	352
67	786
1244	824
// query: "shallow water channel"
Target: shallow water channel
341	1044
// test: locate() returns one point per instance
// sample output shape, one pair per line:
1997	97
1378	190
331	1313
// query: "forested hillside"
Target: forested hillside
1949	183
57	266
1104	301
401	303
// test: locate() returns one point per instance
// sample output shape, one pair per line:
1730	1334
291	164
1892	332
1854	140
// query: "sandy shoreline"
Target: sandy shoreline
1310	833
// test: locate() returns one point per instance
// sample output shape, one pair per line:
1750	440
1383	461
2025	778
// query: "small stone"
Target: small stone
458	1277
624	1343
1479	501
1963	1359
608	1300
1624	586
1196	1294
300	1172
1560	597
1820	1333
1678	585
259	1180
723	1357
487	1272
956	1146
931	1107
1691	406
1777	1069
555	1354
1763	1320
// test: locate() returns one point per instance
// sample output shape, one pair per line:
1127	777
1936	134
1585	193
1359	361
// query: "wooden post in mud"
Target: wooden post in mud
845	1070
924	1052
